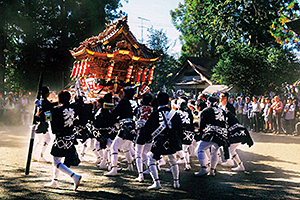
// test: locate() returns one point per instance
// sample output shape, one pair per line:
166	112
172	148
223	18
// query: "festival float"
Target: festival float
113	60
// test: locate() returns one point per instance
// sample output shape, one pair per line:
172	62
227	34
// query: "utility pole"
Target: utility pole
142	27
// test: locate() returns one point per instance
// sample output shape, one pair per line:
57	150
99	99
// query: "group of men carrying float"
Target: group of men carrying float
154	128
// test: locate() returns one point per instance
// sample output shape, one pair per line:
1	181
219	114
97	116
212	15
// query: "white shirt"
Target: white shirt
256	107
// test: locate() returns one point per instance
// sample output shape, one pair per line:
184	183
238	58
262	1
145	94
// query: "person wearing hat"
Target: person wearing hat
123	116
213	133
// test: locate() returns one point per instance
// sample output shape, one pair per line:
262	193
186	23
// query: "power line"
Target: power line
142	27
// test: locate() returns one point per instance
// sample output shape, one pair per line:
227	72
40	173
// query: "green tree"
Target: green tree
207	26
8	14
219	28
279	29
255	71
167	65
45	31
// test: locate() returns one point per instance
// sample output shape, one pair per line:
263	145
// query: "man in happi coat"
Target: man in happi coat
164	127
62	124
123	116
213	132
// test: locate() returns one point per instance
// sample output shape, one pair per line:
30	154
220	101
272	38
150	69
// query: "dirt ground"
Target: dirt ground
272	172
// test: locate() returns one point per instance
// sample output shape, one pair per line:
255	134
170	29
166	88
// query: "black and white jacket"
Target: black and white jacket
213	127
237	132
169	141
62	124
187	125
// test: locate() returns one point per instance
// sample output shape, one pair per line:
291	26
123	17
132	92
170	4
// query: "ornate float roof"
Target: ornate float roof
116	46
116	43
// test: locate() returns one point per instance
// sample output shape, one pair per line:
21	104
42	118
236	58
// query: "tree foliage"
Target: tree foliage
255	71
207	26
220	28
279	29
166	65
44	32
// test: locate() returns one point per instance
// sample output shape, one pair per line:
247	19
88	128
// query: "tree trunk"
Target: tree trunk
2	47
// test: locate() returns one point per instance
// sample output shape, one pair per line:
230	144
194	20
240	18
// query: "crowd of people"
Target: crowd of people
146	129
268	114
16	109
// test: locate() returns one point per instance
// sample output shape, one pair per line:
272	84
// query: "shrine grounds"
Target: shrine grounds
272	172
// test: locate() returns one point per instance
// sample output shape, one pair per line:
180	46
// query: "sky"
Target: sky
157	14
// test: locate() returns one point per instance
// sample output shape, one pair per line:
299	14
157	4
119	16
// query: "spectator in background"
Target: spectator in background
277	107
291	92
2	103
9	108
239	109
232	101
25	116
267	115
17	111
246	112
289	116
261	118
255	113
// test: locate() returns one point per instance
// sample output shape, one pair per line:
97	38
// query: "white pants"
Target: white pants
93	147
117	144
106	152
58	166
202	156
141	155
153	168
186	153
233	154
42	143
232	149
27	116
